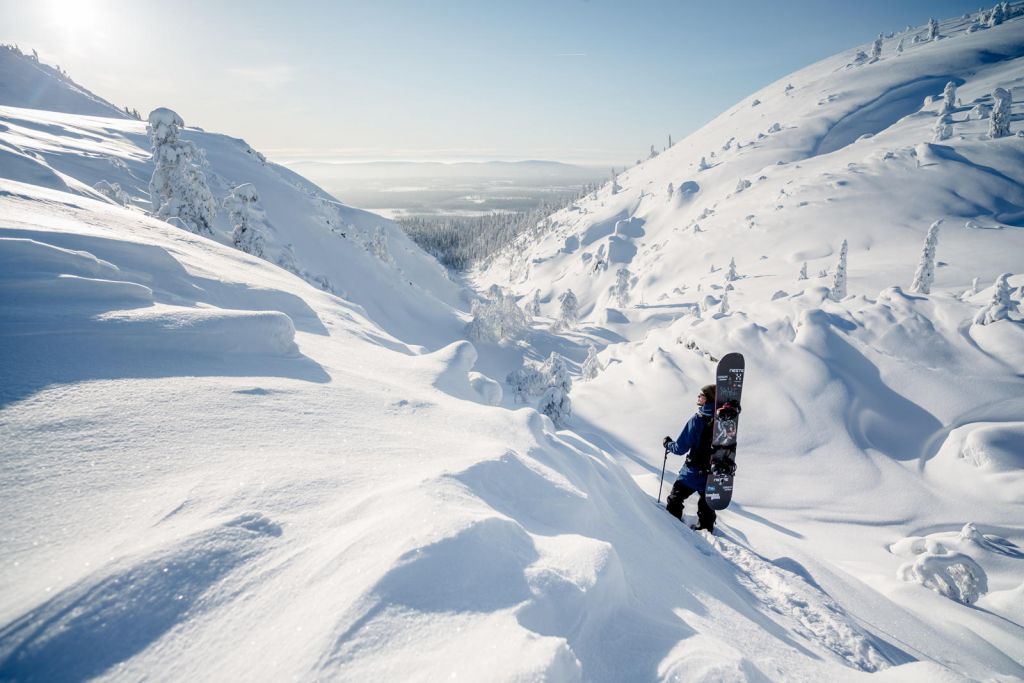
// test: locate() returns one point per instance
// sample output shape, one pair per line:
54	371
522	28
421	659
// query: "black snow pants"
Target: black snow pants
674	504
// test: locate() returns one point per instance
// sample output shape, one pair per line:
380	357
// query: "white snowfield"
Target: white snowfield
217	468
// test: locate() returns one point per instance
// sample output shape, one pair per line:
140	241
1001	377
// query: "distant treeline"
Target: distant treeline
460	241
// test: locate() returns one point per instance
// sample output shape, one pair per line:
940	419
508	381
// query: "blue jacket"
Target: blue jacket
688	439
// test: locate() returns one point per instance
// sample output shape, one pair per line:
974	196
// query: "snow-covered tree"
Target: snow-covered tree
803	272
555	402
933	30
742	185
671	190
723	305
899	46
113	192
178	189
838	290
591	365
942	129
1000	305
569	309
876	49
533	308
615	183
497	318
526	383
653	153
377	244
925	274
248	221
621	288
999	124
996	16
703	165
731	275
948	98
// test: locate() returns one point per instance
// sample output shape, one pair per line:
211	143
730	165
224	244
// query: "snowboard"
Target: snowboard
728	388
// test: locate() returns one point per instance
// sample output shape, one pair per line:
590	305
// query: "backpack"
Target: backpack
699	457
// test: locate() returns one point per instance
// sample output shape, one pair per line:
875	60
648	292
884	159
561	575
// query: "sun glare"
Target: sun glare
74	16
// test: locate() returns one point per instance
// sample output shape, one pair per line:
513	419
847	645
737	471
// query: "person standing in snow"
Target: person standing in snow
695	443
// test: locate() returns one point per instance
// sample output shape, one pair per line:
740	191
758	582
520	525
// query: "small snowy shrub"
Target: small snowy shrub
178	189
671	190
723	305
933	30
999	307
803	272
731	275
899	47
954	575
925	275
999	124
113	192
526	382
942	130
703	165
742	185
615	183
860	58
247	219
838	290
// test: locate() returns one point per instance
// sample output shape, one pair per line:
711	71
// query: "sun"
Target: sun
73	16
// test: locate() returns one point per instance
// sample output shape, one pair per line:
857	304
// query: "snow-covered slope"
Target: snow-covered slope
326	241
27	82
884	416
214	469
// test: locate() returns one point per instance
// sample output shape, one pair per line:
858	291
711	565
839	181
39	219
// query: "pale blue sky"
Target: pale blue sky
586	81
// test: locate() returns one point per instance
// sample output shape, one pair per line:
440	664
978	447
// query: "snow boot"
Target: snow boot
697	527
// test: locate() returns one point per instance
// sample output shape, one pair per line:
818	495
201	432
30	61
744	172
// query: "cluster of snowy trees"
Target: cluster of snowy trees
497	318
998	115
460	241
551	382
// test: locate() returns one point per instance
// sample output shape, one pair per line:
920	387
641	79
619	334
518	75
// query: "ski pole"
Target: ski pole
661	482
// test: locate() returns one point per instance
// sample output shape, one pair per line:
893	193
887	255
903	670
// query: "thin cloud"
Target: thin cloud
271	76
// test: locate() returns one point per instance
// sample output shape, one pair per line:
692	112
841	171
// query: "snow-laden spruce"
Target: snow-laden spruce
591	366
999	123
247	218
925	274
555	402
569	309
838	289
178	189
1000	305
620	290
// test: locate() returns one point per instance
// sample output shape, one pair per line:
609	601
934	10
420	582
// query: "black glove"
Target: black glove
666	441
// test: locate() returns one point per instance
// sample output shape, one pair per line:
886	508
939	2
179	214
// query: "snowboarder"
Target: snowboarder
695	443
